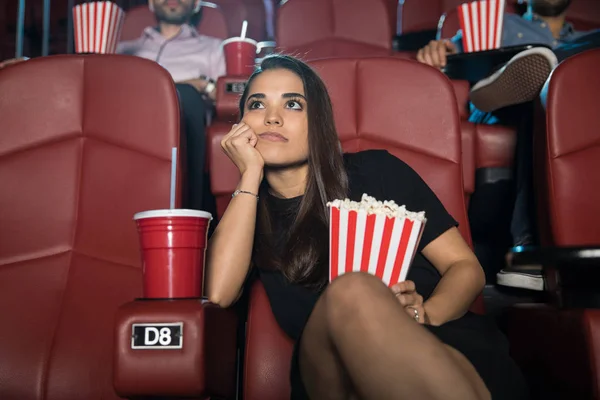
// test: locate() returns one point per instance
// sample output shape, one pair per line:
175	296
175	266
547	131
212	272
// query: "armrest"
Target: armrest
475	66
413	41
179	348
572	274
582	258
229	91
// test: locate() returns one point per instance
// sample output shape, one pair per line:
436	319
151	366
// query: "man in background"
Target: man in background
505	97
195	62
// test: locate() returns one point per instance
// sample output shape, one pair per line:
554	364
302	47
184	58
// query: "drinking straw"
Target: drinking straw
173	175
244	29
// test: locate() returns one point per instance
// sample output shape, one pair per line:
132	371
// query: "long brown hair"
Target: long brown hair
307	241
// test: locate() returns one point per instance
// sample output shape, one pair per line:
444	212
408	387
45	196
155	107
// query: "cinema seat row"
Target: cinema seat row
68	248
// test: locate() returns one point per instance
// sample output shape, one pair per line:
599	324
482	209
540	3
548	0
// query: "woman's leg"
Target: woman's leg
359	340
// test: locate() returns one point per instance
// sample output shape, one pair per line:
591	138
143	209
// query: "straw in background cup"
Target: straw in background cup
244	29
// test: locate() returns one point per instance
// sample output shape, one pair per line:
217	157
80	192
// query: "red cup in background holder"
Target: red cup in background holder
240	56
173	247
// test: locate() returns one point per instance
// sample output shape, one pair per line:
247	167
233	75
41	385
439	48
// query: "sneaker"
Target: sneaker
519	81
525	277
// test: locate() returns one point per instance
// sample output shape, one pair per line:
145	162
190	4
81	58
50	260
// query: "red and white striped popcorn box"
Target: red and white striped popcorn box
481	24
97	27
360	241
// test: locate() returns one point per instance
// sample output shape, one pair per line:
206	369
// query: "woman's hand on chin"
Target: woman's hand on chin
240	146
407	295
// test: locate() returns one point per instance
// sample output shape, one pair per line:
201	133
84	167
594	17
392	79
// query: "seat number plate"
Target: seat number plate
156	336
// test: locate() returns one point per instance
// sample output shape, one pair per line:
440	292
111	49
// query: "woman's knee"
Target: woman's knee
353	293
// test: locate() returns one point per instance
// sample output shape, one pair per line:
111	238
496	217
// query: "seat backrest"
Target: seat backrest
569	151
408	109
367	22
212	23
423	15
404	107
584	14
86	143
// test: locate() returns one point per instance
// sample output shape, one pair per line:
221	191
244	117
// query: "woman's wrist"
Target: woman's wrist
430	315
250	180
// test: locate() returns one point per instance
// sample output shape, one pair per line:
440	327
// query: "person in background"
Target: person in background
505	97
195	62
543	24
190	57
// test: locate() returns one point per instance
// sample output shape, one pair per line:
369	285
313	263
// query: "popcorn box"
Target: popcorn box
379	238
481	23
97	27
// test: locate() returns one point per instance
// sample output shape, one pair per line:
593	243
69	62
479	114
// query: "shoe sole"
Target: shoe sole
519	82
523	281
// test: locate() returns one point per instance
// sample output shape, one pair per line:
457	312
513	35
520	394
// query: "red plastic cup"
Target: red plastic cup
173	245
240	56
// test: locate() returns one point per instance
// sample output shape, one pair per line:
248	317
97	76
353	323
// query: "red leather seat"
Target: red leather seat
86	143
558	347
485	147
423	15
569	150
312	29
212	23
421	126
584	14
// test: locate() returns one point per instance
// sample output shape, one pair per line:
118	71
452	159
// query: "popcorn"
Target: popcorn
97	27
372	236
481	23
371	205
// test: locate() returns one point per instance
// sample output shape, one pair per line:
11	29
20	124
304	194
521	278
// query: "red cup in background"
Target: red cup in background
240	56
173	247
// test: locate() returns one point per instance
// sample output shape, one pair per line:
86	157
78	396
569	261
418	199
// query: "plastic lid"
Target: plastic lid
176	212
239	39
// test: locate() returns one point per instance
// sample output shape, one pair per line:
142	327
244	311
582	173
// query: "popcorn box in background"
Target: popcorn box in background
97	27
481	24
379	238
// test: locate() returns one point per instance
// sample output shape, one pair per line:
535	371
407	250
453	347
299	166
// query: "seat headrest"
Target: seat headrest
307	21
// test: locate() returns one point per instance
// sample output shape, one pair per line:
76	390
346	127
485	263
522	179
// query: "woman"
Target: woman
355	338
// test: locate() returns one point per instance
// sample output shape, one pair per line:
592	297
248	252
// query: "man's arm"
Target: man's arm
457	41
435	53
203	85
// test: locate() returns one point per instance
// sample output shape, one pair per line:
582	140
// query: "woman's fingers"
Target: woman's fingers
405	286
241	138
410	299
235	129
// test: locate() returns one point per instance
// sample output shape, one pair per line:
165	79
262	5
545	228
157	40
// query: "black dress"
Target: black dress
383	176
